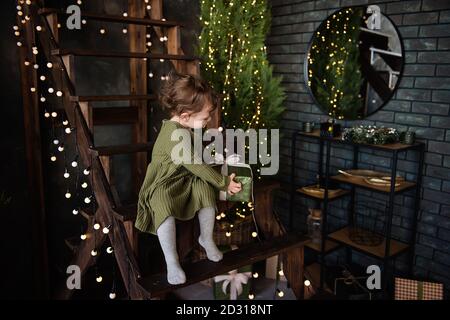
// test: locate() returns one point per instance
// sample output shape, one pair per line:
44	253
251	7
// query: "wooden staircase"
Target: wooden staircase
110	211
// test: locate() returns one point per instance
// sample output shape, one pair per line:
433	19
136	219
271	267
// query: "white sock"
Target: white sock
167	238
206	217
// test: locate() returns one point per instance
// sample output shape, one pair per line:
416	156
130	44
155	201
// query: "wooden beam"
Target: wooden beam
138	85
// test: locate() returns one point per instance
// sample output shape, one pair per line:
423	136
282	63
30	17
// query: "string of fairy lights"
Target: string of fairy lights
61	130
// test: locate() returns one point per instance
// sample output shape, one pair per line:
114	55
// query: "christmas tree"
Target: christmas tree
235	63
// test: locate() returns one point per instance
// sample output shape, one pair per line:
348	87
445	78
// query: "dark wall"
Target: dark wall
420	104
15	243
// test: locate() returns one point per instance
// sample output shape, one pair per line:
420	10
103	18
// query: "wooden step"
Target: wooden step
115	18
126	212
157	284
115	54
123	149
114	115
126	97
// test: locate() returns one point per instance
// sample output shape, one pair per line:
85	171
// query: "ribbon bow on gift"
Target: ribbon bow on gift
235	280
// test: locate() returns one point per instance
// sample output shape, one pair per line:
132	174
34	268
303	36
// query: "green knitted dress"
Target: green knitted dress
171	189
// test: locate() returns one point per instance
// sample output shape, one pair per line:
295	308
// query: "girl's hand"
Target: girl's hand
233	187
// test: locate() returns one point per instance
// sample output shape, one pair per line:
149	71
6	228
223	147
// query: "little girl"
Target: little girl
178	191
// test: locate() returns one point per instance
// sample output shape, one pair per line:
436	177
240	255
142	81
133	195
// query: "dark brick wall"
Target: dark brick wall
421	104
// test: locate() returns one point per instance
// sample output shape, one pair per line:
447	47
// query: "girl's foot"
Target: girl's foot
175	275
212	252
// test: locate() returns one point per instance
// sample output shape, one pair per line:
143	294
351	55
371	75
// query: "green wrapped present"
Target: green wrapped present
244	175
236	284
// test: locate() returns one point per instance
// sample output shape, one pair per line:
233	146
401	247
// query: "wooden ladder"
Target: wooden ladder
110	212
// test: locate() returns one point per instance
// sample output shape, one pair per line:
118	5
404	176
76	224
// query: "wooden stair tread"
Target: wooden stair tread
157	284
124	148
115	54
115	18
124	97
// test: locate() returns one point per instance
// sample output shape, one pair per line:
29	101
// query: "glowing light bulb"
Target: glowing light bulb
66	175
150	74
43	99
51	90
102	31
54	114
255	275
161	60
254	234
251	296
87	200
148	35
97	226
47	114
53	158
93	252
16	28
67	130
59	93
125	14
99	279
218	217
49	65
105	230
74	164
68	195
228	234
280	293
86	171
83	21
307	283
165	38
42	78
36	66
38	28
149	7
65	122
74	212
149	43
16	33
33	89
83	237
61	148
281	273
79	2
27	63
84	185
112	295
124	30
109	250
222	215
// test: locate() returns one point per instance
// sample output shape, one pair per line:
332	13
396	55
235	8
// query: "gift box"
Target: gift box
244	174
236	284
408	289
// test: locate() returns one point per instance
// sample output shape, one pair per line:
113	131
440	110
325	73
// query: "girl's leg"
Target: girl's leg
206	217
167	238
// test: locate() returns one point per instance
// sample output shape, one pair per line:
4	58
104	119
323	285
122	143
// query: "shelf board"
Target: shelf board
329	246
389	147
331	196
357	181
342	236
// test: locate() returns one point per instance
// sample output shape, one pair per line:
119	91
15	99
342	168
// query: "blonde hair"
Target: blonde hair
186	93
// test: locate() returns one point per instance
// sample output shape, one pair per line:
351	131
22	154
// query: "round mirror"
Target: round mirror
354	62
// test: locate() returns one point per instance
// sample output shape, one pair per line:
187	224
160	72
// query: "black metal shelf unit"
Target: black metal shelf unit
390	248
